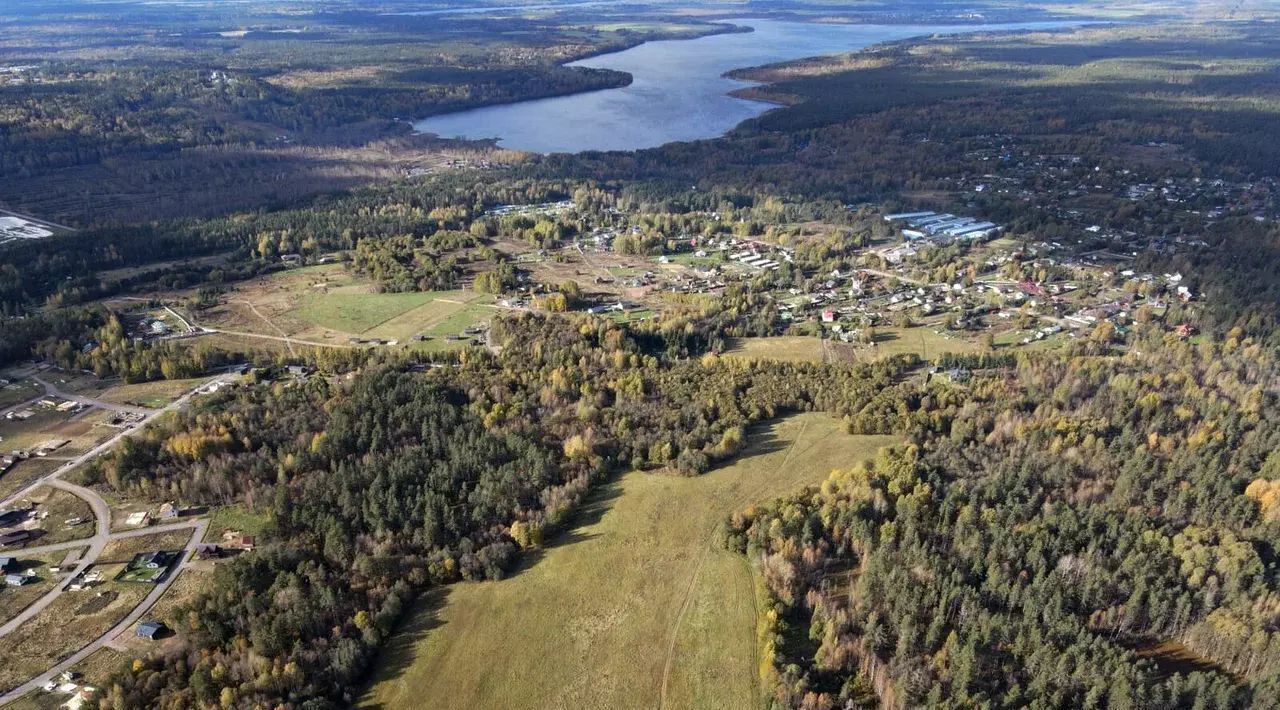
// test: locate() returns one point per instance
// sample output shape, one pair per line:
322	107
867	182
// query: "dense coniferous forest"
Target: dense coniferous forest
1054	539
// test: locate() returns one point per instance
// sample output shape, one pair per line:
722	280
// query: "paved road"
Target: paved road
138	612
152	415
38	550
96	544
114	406
101	511
93	555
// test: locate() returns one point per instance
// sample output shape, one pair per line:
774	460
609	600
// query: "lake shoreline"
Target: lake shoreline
683	89
623	79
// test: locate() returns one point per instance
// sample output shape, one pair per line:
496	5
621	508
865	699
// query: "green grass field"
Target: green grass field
922	341
788	348
16	392
358	312
396	316
636	607
136	572
235	517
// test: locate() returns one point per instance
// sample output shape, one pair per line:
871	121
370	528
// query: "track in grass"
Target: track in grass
635	607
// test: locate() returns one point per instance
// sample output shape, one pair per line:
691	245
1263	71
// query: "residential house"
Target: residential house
237	539
154	560
151	630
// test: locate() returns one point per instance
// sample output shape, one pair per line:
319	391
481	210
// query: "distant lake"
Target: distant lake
678	92
498	9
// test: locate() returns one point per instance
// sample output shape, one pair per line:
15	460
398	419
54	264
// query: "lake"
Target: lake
497	10
678	92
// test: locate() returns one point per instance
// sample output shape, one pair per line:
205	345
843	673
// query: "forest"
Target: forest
174	102
404	479
1045	542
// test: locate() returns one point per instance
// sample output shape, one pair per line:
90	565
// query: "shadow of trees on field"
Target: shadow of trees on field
762	439
400	652
397	654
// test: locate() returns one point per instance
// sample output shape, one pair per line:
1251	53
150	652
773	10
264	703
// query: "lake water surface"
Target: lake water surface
678	92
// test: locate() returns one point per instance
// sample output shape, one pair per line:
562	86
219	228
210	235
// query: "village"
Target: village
83	576
874	282
958	275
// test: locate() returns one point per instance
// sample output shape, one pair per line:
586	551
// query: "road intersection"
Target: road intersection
96	543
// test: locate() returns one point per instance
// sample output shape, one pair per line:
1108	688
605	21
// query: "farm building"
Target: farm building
14	537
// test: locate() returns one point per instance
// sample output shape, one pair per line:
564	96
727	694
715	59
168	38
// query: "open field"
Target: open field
75	381
124	506
325	304
637	599
95	670
18	392
98	668
358	312
151	394
26	434
235	517
923	341
788	348
115	275
889	341
80	430
398	316
119	552
239	344
14	599
137	571
66	625
23	474
62	506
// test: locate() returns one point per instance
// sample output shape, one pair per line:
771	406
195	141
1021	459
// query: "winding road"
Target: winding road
96	544
152	415
102	535
270	323
197	534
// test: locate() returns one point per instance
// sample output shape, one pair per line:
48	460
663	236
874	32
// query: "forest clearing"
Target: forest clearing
634	600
